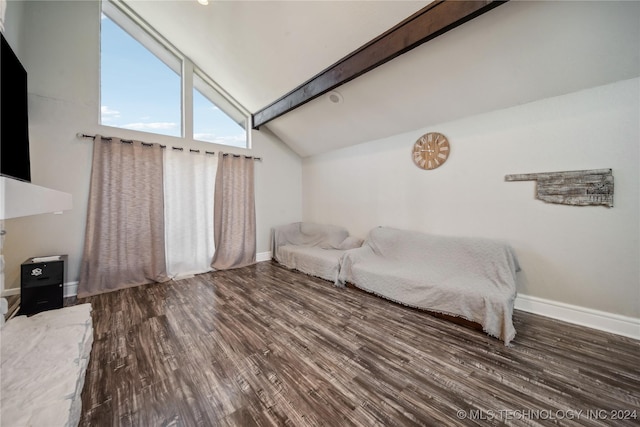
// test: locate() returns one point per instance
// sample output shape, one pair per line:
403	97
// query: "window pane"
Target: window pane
210	123
138	90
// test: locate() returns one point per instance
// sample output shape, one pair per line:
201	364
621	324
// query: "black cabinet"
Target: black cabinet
41	283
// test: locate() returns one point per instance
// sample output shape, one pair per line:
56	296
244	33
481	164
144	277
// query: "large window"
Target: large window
143	86
138	90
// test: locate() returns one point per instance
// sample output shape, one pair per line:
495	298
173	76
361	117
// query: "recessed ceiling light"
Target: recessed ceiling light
335	97
203	2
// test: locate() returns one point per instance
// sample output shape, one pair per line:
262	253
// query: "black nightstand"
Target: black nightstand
41	284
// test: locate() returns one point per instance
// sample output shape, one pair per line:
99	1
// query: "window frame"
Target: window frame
123	16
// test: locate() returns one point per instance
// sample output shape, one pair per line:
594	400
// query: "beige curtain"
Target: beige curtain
124	237
234	214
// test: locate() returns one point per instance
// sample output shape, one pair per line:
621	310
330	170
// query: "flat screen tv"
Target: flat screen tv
14	118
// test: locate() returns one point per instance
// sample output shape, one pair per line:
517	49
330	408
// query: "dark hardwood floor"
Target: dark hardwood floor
264	346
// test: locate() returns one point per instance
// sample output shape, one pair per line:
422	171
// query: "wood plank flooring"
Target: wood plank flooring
266	346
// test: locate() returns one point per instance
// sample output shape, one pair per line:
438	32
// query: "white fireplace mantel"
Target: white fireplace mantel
18	198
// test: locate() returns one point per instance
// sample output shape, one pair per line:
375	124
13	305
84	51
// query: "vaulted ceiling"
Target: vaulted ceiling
519	52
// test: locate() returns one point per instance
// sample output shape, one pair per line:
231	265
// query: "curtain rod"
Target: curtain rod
191	150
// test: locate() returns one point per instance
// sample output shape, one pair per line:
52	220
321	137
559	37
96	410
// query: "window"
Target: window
141	84
210	123
137	89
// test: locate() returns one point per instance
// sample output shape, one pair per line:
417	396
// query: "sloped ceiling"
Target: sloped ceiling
520	52
260	50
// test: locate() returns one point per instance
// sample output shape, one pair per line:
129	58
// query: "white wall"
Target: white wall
11	17
584	256
61	55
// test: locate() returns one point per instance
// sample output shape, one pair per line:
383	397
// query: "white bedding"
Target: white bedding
472	278
313	249
44	358
312	260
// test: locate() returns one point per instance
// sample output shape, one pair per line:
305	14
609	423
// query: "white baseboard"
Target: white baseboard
263	256
601	320
70	289
9	292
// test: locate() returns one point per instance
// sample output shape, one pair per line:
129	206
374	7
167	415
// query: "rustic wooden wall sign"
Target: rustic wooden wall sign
576	188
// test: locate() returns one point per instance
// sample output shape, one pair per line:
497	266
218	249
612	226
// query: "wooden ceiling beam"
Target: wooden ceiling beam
433	20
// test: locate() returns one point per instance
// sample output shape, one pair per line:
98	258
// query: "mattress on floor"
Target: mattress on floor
43	362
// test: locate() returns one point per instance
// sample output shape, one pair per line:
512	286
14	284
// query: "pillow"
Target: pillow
325	236
351	242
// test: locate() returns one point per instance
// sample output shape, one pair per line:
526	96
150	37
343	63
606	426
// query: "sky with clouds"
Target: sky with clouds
138	91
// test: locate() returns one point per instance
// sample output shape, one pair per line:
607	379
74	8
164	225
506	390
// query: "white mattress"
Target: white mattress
44	358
